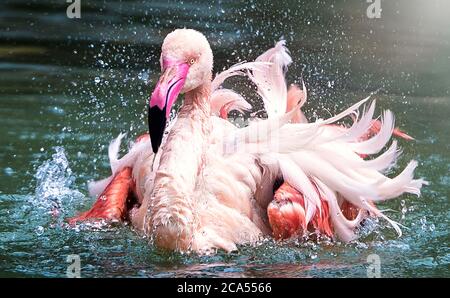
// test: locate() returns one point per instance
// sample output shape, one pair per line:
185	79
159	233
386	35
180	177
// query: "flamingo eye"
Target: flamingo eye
191	61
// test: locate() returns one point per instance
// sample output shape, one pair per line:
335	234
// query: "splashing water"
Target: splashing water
54	184
101	89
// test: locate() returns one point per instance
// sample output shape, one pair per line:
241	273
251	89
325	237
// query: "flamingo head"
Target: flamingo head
186	63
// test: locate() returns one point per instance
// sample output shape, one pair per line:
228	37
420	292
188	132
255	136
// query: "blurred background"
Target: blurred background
68	86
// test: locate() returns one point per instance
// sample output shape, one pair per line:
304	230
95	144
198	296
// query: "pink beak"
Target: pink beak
163	97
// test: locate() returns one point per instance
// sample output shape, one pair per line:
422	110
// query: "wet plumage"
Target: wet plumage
211	184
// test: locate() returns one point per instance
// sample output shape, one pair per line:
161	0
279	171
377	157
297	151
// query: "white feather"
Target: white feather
237	70
270	81
293	175
226	97
377	142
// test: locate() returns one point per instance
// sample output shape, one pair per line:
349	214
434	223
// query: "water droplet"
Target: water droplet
8	171
39	230
143	75
432	227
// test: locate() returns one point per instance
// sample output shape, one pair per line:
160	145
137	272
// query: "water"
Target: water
69	86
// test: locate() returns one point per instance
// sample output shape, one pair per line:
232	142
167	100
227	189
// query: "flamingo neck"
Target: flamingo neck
198	99
181	163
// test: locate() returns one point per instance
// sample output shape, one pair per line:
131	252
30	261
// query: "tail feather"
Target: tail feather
360	127
344	228
296	98
376	143
338	154
293	175
404	182
239	69
113	151
225	100
117	164
270	81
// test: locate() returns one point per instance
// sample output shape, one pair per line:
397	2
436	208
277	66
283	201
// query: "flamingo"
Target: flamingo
199	183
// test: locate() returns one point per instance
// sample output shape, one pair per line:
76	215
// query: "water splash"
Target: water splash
55	184
425	225
370	226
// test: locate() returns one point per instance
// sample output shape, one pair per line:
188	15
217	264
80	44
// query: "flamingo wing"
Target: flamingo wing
111	203
321	161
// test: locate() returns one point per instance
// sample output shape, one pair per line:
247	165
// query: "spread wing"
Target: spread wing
321	159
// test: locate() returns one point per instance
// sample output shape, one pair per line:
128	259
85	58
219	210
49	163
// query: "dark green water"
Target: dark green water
68	86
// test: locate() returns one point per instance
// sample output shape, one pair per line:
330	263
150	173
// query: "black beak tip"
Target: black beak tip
156	126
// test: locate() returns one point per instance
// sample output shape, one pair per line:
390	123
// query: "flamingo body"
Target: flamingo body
207	184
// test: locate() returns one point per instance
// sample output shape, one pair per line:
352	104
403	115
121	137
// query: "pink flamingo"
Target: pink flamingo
200	183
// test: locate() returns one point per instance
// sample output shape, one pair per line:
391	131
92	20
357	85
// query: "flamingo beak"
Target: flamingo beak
163	97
